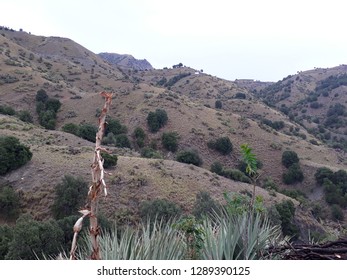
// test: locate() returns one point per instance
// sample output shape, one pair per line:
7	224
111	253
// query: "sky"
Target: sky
264	40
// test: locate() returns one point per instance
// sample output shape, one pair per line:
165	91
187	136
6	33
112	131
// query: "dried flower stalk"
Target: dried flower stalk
98	184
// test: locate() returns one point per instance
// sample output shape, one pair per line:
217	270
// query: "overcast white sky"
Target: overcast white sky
233	39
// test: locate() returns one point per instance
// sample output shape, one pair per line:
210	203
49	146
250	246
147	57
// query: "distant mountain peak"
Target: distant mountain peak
126	60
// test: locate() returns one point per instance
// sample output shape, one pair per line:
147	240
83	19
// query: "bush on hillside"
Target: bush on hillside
122	141
70	195
53	104
87	131
222	145
218	104
41	96
217	168
240	95
189	157
337	212
160	209
157	120
115	127
236	175
286	209
47	109
9	203
7	110
323	173
6	236
71	128
48	119
12	154
289	158
140	136
293	175
205	205
25	116
32	239
150	153
170	141
109	160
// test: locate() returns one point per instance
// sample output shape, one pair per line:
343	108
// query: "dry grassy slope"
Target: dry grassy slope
206	89
135	179
197	124
60	66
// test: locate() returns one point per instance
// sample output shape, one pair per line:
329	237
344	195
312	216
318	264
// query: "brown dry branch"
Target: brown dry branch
98	185
336	250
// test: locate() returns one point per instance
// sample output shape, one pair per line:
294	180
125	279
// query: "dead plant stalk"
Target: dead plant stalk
98	184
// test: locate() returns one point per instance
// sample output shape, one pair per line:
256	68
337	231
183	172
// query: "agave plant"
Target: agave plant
238	237
156	241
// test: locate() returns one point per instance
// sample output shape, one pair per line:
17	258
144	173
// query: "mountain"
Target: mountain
126	60
201	109
316	99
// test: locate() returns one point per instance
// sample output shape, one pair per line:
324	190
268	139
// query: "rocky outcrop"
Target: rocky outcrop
126	60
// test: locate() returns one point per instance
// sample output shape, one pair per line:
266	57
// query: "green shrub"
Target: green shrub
140	136
323	173
222	145
218	104
277	125
269	184
289	158
340	178
53	104
217	168
109	139
240	95
170	141
66	224
204	205
286	209
70	195
48	119
115	127
160	209
122	141
32	239
337	212
25	116
335	194
41	96
157	119
7	110
236	175
6	236
293	175
12	154
47	109
40	107
88	132
9	203
71	128
109	160
296	194
189	157
150	153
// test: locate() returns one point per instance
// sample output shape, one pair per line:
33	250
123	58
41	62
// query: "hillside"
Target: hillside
72	74
315	99
126	60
